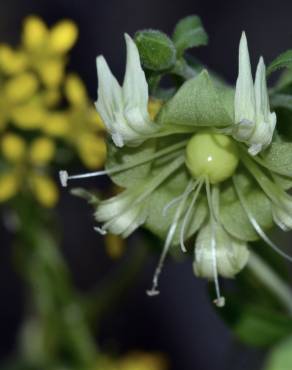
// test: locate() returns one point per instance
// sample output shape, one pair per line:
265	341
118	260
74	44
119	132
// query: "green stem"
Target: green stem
56	305
271	280
111	291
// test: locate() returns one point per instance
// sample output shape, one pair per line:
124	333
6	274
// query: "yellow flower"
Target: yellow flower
12	61
44	189
42	150
9	185
46	48
143	361
92	150
115	246
134	361
21	87
27	170
56	124
13	147
79	125
19	103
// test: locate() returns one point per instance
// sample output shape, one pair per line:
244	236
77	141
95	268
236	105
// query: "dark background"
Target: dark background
181	321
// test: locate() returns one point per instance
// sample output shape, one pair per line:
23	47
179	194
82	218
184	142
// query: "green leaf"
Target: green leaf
278	158
198	103
189	33
234	218
284	60
127	155
157	51
281	357
257	326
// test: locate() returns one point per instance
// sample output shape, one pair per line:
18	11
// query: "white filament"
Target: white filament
64	176
171	231
197	184
220	300
256	225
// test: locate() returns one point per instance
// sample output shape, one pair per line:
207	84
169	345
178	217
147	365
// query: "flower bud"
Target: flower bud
231	254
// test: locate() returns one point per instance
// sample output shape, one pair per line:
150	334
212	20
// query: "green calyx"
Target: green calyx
211	155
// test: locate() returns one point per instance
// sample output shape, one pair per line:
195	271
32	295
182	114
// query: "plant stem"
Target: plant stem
271	280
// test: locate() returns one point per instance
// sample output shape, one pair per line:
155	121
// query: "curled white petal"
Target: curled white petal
254	123
231	254
244	100
124	110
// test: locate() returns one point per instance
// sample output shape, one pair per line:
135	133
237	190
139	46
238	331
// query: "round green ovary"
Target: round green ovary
212	155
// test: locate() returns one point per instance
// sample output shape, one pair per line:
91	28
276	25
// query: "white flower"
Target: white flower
231	254
121	214
124	109
254	123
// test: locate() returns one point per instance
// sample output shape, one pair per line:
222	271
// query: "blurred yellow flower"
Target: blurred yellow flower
12	61
19	103
44	189
42	151
134	361
80	124
143	361
9	185
114	245
26	168
46	48
13	147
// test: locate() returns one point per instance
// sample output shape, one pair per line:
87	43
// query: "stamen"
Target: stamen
175	200
64	177
100	230
220	300
197	184
154	291
256	225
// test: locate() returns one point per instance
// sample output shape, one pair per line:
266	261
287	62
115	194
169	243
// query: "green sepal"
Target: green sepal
278	158
156	49
198	103
127	155
233	216
189	32
284	60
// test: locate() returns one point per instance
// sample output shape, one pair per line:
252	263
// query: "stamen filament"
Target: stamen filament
197	184
255	224
220	300
171	231
64	176
175	200
276	194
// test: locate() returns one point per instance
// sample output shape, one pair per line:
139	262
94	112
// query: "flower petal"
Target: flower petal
231	254
110	100
244	102
135	88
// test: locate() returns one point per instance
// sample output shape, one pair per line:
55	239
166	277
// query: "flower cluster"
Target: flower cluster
210	167
37	130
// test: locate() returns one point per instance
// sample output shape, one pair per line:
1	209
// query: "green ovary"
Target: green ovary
212	155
